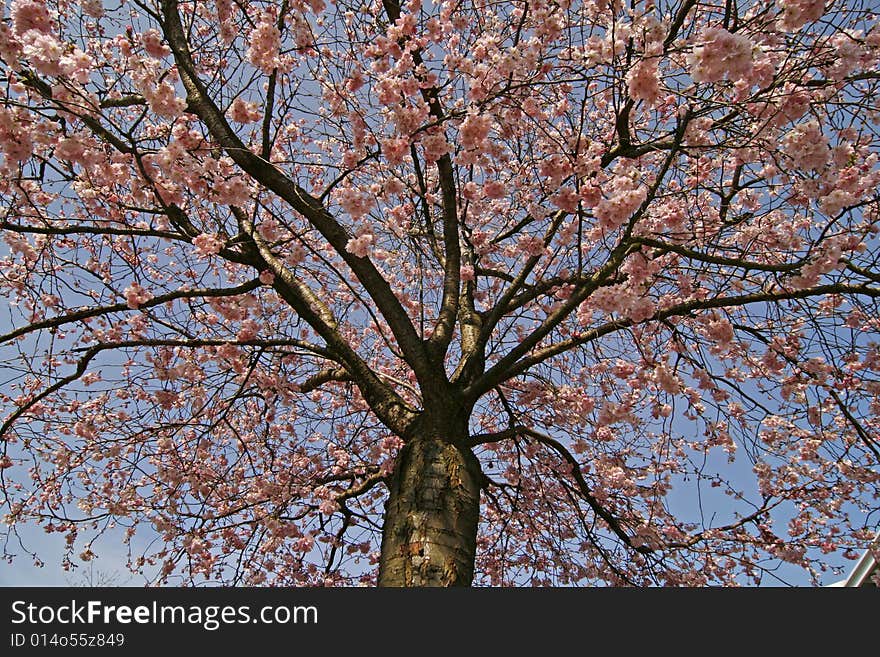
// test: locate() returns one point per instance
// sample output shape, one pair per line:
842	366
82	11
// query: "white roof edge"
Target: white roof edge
862	570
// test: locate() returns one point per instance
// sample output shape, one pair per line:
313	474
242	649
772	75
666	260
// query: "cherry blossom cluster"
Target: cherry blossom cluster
721	54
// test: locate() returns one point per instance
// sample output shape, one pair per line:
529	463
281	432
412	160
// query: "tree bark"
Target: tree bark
430	533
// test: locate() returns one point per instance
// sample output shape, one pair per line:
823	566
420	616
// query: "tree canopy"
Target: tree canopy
511	292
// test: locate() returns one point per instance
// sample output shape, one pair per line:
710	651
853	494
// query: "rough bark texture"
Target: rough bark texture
430	532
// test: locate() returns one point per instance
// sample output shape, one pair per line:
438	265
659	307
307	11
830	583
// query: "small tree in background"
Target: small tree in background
515	292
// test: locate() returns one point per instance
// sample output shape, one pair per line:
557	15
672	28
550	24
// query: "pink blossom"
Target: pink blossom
93	8
166	398
435	146
719	55
16	141
640	309
831	204
208	244
305	543
387	90
232	190
20	245
44	52
269	229
618	208
530	245
644	82
152	40
328	507
826	259
566	199
85	429
807	146
796	13
360	246
666	379
50	300
393	186
225	19
637	371
395	149
354	202
302	31
295	255
135	295
623	369
248	331
164	102
471	191
720	331
350	159
242	111
555	167
619	299
848	54
495	189
77	65
356	80
10	46
30	15
795	104
591	194
265	45
474	130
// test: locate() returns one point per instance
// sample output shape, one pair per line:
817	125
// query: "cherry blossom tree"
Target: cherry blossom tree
498	292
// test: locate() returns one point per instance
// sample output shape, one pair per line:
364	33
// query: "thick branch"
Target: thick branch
45	90
495	374
387	405
442	334
324	376
492	319
89	230
583	487
690	254
507	367
201	104
678	22
204	342
283	275
87	313
81	366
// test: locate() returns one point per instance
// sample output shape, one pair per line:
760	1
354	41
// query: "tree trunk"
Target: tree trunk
430	533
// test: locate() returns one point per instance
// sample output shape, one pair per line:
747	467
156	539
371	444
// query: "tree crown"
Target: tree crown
625	253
